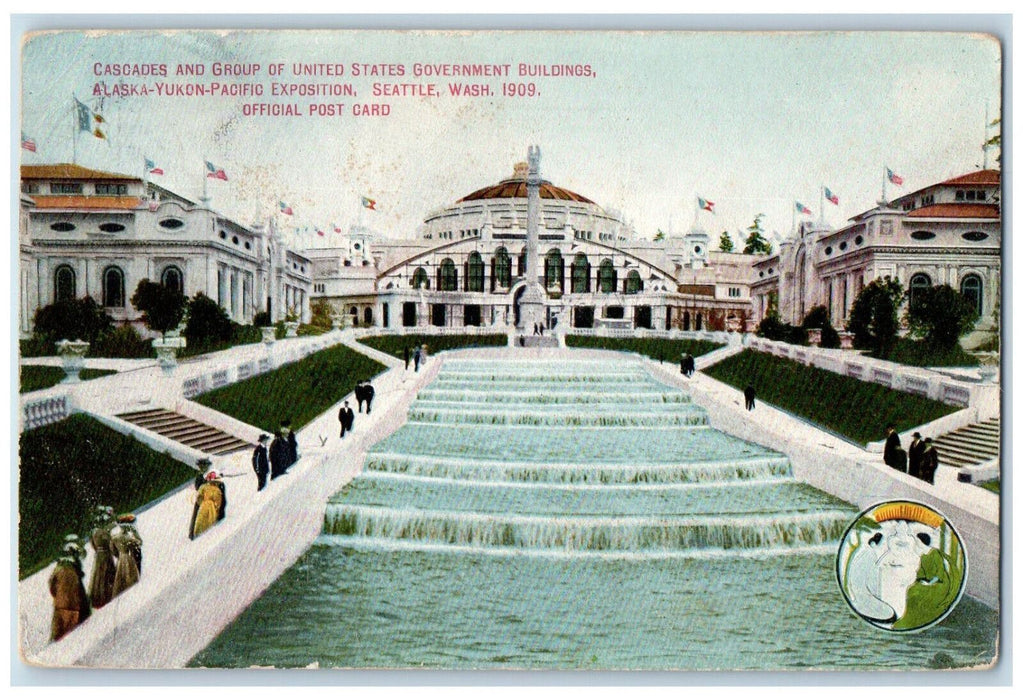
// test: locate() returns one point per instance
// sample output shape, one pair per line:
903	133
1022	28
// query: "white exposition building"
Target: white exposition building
86	232
949	233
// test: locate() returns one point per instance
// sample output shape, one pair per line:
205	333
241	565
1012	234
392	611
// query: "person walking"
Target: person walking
261	461
916	451
929	461
346	416
209	505
360	394
101	585
280	452
417	356
368	392
291	441
406	355
128	545
70	604
894	455
750	394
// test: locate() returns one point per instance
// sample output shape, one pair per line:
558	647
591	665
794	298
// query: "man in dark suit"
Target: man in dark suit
916	451
750	394
894	455
346	416
289	436
279	454
360	393
261	461
928	462
368	392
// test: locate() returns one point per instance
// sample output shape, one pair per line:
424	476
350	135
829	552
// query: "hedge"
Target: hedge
856	410
36	377
69	468
664	349
396	344
299	391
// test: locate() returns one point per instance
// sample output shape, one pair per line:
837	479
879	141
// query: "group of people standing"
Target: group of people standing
687	365
117	567
921	461
274	460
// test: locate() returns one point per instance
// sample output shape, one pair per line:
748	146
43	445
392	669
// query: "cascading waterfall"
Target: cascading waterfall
579	458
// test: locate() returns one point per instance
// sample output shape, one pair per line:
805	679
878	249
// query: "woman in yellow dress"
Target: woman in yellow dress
209	502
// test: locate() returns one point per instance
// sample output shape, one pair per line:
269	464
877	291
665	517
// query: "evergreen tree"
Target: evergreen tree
726	245
873	319
755	242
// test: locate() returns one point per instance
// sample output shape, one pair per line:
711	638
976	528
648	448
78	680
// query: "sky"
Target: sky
753	122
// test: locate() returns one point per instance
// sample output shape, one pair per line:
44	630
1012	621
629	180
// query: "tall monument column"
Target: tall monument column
531	304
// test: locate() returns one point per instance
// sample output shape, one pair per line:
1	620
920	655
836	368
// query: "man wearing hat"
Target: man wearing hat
101	586
346	416
916	453
928	461
70	604
202	465
261	461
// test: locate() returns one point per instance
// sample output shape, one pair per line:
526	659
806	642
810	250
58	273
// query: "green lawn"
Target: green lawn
857	410
72	466
36	377
657	348
395	344
299	391
993	485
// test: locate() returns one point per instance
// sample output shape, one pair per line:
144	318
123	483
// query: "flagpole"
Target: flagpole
822	207
884	185
205	178
74	129
360	211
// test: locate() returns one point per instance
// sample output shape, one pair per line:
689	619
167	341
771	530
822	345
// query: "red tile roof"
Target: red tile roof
955	211
981	177
68	171
77	201
516	188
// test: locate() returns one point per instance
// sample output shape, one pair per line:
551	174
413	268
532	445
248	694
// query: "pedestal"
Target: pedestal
167	352
291	329
72	359
269	334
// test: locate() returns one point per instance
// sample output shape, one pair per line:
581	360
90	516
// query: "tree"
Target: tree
660	235
207	322
162	307
72	319
756	243
321	314
818	317
726	245
941	315
873	319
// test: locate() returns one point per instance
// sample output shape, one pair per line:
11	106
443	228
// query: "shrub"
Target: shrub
162	307
818	317
123	341
395	344
773	328
873	319
941	315
207	323
72	319
656	348
261	319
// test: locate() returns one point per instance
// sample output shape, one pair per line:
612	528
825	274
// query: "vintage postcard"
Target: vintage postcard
488	350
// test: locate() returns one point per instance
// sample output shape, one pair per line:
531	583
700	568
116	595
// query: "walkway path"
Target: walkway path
191	590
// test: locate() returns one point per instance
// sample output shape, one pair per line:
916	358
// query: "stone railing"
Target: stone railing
45	410
913	380
674	334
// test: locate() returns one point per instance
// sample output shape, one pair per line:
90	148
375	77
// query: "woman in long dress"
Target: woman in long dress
209	502
128	546
101	586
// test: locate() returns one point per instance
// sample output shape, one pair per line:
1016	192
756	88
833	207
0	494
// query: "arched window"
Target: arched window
475	276
502	267
917	284
580	274
554	270
64	284
972	288
420	279
633	283
113	287
367	316
607	277
171	278
522	263
448	276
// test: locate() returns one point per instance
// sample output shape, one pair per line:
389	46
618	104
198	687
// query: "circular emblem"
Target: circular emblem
901	566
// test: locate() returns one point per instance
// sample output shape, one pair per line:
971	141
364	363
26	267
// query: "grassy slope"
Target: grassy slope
36	377
855	409
300	391
395	344
72	466
656	348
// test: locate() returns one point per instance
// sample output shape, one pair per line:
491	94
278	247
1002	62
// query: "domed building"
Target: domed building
470	266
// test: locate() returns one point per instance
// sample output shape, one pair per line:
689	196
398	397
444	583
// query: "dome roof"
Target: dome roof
515	187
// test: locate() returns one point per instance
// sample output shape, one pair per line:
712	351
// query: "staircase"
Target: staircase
187	431
974	444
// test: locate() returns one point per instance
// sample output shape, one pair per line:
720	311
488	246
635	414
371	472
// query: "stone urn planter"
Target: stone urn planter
72	359
988	369
814	336
335	323
291	329
167	352
269	334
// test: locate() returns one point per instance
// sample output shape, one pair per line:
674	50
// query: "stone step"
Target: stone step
968	445
186	430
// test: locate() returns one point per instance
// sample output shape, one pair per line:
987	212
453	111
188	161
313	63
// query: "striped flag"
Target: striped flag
215	172
86	117
152	169
369	203
803	210
285	209
319	231
705	204
28	143
337	229
830	196
892	177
